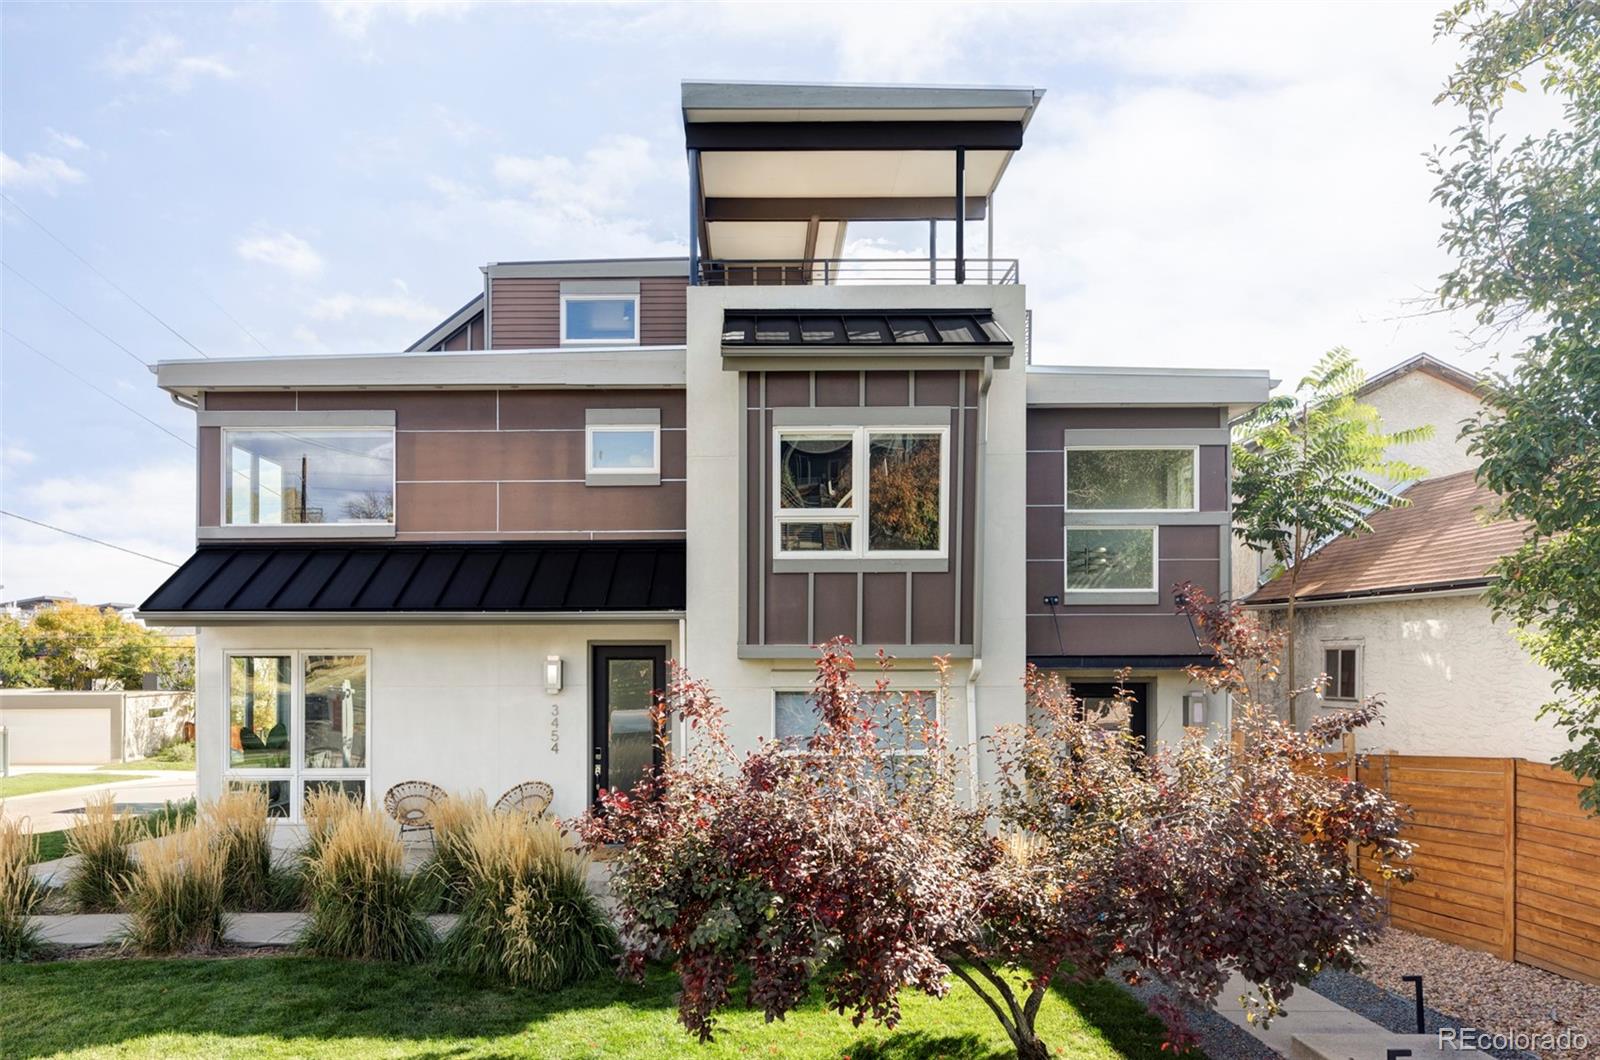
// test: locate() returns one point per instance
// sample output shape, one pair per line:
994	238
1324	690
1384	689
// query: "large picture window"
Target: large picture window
297	723
1131	480
308	475
854	491
898	717
1111	558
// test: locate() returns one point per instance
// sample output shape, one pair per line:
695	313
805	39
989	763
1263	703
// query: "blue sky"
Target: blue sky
1226	185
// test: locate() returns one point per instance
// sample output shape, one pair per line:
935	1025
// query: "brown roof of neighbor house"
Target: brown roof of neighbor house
1439	541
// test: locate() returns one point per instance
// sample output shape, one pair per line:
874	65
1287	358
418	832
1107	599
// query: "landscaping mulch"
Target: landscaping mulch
1482	991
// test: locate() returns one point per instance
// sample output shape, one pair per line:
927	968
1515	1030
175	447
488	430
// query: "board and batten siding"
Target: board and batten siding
527	312
1186	552
930	610
491	464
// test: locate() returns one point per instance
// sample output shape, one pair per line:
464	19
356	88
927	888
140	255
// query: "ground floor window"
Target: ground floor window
1342	664
899	718
298	723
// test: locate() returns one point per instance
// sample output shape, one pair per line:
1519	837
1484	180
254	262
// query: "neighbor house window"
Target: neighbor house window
298	723
304	475
855	491
899	718
1343	666
1111	558
620	449
599	318
1131	480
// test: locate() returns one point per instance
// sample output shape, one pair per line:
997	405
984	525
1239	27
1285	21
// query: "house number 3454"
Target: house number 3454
555	726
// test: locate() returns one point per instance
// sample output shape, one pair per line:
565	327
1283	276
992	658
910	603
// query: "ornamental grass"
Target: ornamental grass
453	822
20	893
101	843
239	828
324	809
527	915
176	894
362	903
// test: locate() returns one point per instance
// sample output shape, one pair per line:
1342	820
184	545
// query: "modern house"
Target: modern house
469	562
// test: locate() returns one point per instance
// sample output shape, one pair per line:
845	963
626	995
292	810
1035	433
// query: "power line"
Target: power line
105	394
113	284
86	537
74	314
236	323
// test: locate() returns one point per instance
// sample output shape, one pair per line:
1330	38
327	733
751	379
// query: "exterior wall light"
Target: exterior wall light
552	674
1194	708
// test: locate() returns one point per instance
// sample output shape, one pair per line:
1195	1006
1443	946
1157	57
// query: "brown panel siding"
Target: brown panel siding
444	507
834	607
788	390
883	608
1113	634
526	313
565	409
663	310
1046	424
787	609
937	388
1047	477
888	389
967	526
210	470
839	389
491	455
572	506
249	401
933	607
1213	494
440	410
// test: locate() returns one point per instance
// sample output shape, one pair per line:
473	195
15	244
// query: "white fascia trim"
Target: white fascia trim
1067	386
378	618
612	367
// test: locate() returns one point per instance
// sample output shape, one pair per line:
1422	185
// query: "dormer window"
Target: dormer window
599	319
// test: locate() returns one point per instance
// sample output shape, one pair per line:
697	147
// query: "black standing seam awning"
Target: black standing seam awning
499	577
973	330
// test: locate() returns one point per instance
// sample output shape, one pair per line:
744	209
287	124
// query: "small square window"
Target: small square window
606	318
1343	669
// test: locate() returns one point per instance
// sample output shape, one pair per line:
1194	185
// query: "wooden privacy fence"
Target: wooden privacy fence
1504	858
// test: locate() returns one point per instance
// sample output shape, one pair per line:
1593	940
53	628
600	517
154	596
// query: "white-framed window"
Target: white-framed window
599	319
1342	664
1132	478
842	492
622	449
289	476
1111	558
297	721
897	713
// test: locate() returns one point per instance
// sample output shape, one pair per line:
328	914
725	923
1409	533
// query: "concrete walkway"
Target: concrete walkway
244	929
1315	1028
51	811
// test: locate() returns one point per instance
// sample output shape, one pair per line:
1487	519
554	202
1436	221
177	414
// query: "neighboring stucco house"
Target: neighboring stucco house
469	562
1400	611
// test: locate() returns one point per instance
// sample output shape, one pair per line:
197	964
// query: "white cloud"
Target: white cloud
400	305
283	250
148	508
600	181
14	455
66	139
354	19
38	172
163	58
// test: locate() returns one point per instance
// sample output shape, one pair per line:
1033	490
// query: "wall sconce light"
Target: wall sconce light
1194	708
552	674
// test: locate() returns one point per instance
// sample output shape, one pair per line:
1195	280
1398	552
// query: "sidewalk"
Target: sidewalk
50	811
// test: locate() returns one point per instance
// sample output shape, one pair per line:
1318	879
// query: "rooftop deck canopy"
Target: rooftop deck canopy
778	171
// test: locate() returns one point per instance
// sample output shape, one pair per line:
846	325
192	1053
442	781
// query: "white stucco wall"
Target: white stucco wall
1454	681
462	705
716	553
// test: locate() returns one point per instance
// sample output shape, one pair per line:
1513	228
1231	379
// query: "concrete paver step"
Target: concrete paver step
1362	1045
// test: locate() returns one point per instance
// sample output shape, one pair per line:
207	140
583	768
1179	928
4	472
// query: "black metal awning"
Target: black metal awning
511	578
893	333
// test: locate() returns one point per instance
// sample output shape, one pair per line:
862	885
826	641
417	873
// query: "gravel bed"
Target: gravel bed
1478	990
1392	1011
1218	1038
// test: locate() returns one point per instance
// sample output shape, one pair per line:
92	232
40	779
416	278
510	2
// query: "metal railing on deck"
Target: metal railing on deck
825	272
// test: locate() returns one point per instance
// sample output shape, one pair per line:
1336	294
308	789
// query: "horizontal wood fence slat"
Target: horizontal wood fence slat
1504	860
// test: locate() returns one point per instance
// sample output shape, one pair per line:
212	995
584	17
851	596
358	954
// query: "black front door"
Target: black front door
1099	704
623	683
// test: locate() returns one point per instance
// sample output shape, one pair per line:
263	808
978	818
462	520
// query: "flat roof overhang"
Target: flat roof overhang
1069	386
779	170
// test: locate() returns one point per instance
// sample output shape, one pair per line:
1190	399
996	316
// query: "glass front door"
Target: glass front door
624	683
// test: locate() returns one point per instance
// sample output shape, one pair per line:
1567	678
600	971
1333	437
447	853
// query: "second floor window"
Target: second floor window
1111	558
599	318
860	491
624	449
1131	480
304	475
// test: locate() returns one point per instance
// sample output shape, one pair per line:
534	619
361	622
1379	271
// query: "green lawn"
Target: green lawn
305	1007
148	764
47	846
34	783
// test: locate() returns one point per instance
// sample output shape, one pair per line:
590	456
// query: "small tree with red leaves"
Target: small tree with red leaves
846	865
